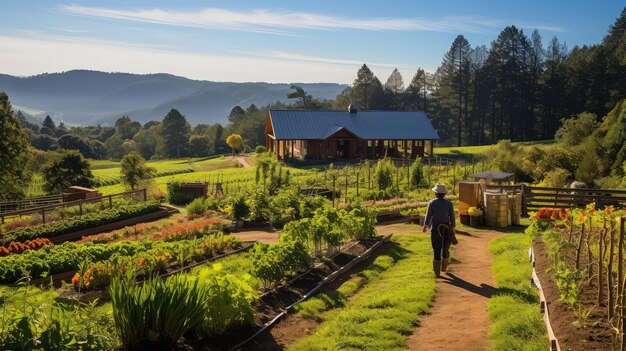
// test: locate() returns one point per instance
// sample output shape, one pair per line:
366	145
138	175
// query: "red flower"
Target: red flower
75	279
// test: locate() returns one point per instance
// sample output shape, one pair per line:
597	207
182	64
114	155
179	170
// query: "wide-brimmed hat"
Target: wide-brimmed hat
440	189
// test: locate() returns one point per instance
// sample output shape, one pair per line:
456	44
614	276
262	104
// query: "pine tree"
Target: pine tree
14	155
175	133
49	123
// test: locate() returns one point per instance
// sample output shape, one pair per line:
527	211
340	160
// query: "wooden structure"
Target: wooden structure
195	190
470	195
494	177
305	134
75	193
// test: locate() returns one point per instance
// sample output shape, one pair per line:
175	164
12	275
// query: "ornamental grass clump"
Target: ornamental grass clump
156	314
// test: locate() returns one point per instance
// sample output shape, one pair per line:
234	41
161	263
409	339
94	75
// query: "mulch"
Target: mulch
598	335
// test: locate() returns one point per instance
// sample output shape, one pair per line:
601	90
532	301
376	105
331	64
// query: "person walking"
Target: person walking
441	220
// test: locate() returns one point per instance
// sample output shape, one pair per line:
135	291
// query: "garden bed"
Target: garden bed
274	303
71	296
597	335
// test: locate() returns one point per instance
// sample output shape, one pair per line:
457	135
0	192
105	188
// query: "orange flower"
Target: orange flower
75	279
142	261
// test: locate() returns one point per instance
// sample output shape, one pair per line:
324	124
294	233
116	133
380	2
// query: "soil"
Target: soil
294	326
594	337
458	319
276	301
267	236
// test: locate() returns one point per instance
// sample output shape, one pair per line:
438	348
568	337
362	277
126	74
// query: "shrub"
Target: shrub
158	312
556	178
417	173
260	149
309	204
197	206
175	194
384	173
272	263
240	208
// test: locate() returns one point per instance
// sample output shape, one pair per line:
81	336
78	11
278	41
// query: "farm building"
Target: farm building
326	134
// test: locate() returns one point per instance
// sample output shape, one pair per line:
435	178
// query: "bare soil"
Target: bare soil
267	236
458	319
594	337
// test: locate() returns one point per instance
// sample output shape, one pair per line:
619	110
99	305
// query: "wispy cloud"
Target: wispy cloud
37	53
282	22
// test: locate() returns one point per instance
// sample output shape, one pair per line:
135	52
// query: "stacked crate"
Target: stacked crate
497	212
515	204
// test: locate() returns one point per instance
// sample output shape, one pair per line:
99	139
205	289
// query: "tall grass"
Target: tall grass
514	309
158	313
386	310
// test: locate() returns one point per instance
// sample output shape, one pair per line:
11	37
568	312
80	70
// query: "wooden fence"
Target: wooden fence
535	197
108	199
31	202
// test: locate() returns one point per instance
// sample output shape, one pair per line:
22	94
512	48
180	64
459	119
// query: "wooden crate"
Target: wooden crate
469	196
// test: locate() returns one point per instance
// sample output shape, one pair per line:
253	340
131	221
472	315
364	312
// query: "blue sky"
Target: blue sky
277	41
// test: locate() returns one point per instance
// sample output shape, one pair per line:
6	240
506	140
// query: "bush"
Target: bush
84	222
260	149
175	194
240	207
196	206
272	263
417	173
158	312
384	173
556	178
309	204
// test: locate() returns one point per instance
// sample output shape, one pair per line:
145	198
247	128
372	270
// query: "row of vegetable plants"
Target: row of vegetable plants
79	223
585	248
107	178
176	238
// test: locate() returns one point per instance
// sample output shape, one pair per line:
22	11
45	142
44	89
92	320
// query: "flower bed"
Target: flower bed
173	229
80	223
152	262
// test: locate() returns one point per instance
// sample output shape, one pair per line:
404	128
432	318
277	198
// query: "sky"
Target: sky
274	41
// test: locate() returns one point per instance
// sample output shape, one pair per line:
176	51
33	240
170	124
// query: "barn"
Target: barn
349	134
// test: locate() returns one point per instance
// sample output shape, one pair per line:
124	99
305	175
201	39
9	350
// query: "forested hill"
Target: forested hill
92	97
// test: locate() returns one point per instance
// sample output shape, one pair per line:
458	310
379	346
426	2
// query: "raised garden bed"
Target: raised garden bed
593	337
275	304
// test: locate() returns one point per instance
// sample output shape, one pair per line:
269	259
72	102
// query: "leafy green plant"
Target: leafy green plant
79	223
569	282
157	313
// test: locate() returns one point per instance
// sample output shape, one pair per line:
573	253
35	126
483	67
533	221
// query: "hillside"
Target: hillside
89	97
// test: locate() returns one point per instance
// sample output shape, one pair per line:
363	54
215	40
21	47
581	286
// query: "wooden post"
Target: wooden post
43	215
80	207
145	194
408	177
357	183
345	197
334	182
110	201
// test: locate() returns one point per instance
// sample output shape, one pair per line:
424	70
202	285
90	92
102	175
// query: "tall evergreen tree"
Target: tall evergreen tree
49	123
14	155
366	90
455	80
176	132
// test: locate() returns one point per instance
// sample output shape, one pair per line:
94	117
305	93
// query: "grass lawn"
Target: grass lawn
385	311
469	151
514	309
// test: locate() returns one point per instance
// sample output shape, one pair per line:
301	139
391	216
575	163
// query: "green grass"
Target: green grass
386	310
469	151
339	297
514	309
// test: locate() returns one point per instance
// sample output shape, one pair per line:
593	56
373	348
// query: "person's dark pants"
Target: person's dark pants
439	240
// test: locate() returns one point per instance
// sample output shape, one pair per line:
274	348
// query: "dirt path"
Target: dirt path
244	161
458	319
268	236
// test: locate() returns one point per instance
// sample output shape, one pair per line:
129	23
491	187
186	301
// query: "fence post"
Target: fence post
334	181
110	201
408	178
345	197
524	199
80	207
357	184
43	215
145	194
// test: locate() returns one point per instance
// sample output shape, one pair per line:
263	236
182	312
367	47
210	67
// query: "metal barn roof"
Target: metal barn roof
320	124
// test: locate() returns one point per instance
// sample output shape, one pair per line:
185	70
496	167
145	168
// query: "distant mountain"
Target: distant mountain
91	97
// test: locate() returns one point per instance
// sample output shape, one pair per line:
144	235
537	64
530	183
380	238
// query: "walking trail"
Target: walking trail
243	161
459	319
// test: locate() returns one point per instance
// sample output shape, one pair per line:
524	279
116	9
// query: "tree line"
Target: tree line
518	89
